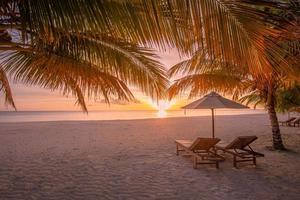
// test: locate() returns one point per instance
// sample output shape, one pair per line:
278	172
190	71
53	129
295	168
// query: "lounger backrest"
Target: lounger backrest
241	142
204	143
297	120
291	119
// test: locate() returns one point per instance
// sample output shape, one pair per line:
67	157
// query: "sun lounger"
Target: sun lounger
287	122
241	150
201	150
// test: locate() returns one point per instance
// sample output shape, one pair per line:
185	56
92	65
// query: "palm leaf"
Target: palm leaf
254	98
132	64
5	88
197	84
75	58
108	35
64	74
232	31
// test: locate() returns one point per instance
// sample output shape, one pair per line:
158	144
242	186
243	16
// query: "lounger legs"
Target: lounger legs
178	149
199	157
234	162
195	162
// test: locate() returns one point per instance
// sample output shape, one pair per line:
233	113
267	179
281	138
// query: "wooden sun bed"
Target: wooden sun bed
287	122
241	150
201	149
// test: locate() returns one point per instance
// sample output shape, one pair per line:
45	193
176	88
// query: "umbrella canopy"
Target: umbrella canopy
212	101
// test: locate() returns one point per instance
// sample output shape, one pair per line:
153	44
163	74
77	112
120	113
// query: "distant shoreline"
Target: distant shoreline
48	116
112	110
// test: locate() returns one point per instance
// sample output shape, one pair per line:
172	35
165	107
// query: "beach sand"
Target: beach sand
135	159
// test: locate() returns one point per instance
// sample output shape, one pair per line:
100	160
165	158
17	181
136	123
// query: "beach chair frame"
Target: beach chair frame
241	150
296	122
287	122
201	150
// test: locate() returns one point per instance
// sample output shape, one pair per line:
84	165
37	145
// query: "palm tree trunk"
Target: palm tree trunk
277	140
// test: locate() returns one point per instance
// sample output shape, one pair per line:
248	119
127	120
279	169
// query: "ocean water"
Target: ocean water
32	116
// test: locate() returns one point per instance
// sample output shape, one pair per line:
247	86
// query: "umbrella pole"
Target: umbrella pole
213	122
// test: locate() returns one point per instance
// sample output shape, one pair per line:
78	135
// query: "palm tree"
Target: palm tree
201	75
204	72
101	47
243	86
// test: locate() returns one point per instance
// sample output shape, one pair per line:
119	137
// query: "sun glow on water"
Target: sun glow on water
162	106
161	114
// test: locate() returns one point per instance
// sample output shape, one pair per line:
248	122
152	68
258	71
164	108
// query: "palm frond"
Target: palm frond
135	65
203	63
197	84
65	74
231	30
198	63
254	98
235	32
76	57
76	90
136	21
5	88
107	35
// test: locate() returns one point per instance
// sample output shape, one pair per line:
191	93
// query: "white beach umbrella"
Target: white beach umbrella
213	101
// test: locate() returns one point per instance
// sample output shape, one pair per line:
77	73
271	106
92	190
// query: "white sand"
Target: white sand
136	159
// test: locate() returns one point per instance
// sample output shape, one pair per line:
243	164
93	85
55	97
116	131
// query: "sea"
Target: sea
38	116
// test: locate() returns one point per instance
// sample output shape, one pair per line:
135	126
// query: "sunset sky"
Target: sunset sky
37	99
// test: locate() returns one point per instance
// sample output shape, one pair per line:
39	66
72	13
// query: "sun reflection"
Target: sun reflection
161	113
162	106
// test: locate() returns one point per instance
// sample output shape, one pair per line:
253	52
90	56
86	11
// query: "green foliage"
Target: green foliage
288	99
